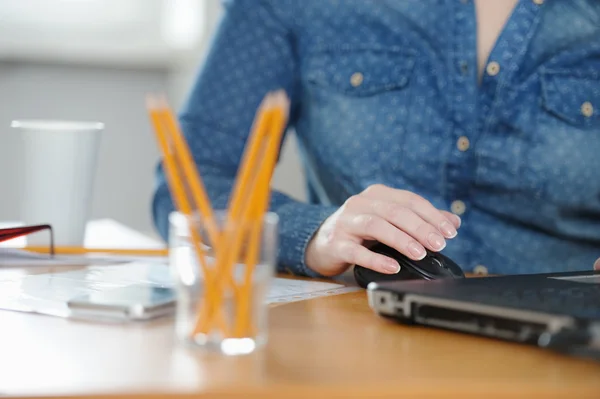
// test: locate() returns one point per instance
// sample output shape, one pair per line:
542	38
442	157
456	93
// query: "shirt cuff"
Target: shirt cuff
162	206
298	222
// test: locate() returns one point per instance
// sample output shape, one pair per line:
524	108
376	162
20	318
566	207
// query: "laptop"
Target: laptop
558	311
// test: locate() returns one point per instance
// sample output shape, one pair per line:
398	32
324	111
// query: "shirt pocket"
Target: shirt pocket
360	71
565	146
356	105
572	97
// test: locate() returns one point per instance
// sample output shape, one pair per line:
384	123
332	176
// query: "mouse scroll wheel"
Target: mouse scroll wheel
437	263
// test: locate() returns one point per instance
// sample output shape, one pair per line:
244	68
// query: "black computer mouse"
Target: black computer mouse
434	266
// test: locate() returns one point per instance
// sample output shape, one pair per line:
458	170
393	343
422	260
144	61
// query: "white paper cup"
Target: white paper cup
59	167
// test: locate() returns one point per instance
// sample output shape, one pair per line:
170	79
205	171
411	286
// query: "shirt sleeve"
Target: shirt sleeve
251	54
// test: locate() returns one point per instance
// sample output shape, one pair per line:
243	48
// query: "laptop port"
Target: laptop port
512	329
382	302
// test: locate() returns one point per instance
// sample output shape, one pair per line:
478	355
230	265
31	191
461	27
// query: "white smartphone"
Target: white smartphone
131	303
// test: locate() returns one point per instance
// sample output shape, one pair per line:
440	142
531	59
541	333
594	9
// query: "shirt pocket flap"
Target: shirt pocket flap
572	97
361	71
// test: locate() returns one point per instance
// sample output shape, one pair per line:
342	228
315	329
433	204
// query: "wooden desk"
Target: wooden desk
322	346
317	347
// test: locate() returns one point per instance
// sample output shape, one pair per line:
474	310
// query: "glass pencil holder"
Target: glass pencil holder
222	286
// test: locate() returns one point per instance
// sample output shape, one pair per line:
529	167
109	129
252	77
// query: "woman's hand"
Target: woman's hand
397	218
597	265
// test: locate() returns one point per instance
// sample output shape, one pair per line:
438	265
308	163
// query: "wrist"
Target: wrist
311	257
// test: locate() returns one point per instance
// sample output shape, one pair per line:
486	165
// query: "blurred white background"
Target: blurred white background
96	60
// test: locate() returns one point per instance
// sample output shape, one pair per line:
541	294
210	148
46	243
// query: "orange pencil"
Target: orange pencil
232	236
260	203
108	251
271	124
176	186
245	212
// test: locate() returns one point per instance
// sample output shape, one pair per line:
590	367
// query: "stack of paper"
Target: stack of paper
48	293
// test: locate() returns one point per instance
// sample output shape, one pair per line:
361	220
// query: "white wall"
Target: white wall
128	151
110	87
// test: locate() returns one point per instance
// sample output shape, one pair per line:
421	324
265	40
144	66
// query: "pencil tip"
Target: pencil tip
267	102
156	101
281	100
152	102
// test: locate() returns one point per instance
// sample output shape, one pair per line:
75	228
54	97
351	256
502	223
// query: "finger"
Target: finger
597	265
409	222
374	227
431	215
453	218
418	204
356	254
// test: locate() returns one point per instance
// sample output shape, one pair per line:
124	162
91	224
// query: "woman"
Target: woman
471	127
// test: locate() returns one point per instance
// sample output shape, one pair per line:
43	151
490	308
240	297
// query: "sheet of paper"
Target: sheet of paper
48	293
288	290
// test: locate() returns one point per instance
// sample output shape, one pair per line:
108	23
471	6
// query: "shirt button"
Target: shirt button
493	68
458	207
356	79
538	2
464	67
463	144
587	109
480	270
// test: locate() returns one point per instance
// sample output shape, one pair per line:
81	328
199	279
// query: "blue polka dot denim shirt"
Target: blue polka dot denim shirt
386	91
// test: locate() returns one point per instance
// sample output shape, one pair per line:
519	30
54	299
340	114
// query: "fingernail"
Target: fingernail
416	250
391	267
448	230
458	220
436	241
597	265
